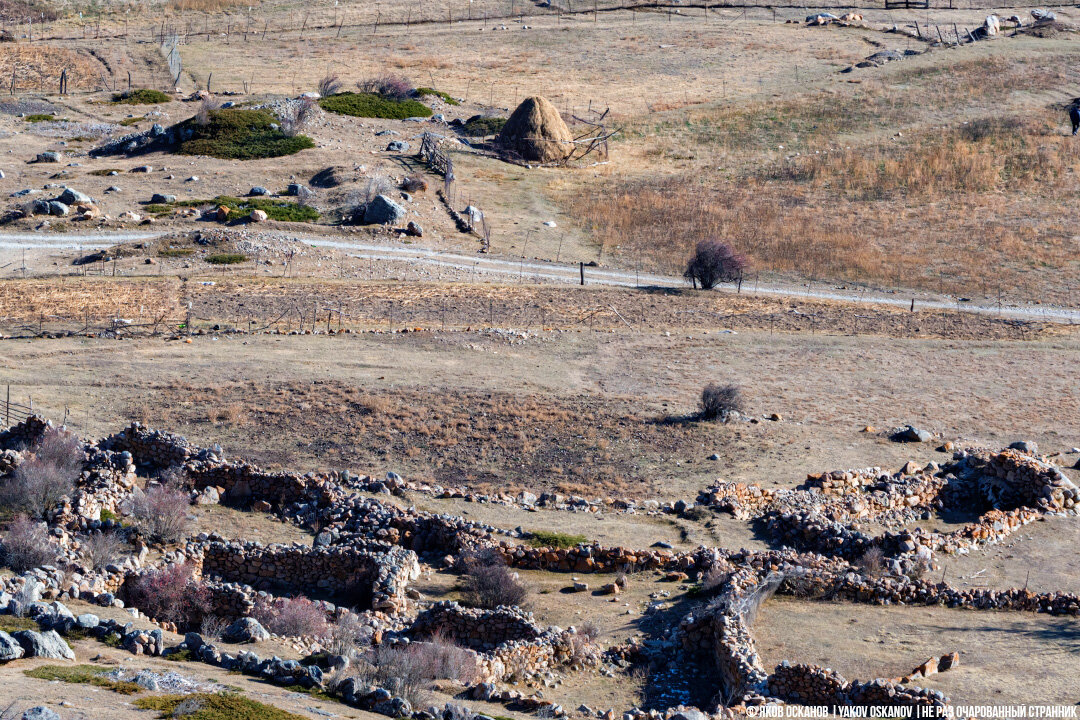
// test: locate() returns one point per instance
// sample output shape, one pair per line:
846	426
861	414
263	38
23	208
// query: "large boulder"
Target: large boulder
46	644
245	630
71	196
10	649
39	712
383	211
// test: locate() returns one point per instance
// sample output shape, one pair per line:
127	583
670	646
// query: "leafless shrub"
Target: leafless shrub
872	562
188	706
358	200
170	594
489	583
202	115
101	549
750	604
406	670
714	578
347	635
919	569
27	545
161	513
414	184
38	483
719	401
329	85
296	116
213	626
714	262
389	86
297	616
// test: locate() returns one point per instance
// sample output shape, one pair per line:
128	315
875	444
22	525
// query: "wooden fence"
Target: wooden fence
13	413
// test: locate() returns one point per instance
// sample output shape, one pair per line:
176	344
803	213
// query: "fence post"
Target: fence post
581	269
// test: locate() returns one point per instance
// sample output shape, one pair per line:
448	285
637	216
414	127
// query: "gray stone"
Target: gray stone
295	189
398	146
193	641
87	621
10	649
414	229
58	208
245	630
689	714
913	434
258	190
159	199
71	196
39	712
46	644
48	157
383	211
1027	446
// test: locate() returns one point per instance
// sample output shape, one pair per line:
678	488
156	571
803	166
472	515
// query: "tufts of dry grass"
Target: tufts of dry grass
208	6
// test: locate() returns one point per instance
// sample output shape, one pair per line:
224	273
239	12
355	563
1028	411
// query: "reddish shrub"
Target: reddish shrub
389	86
171	594
489	583
291	616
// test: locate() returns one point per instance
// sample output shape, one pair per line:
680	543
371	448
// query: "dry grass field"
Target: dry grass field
946	179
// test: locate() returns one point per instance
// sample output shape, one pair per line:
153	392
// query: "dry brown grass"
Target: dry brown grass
38	67
29	300
208	6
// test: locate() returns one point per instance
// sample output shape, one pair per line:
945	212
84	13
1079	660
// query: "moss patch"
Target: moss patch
215	706
142	96
373	106
237	134
542	538
421	92
483	126
10	623
280	210
226	259
39	117
82	674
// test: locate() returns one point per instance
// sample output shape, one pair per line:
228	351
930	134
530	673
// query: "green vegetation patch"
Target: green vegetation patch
370	105
483	126
175	252
543	538
226	259
39	117
128	122
82	674
237	134
142	96
280	210
10	623
424	91
215	706
105	171
184	655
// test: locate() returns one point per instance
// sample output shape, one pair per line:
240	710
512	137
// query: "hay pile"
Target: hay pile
536	132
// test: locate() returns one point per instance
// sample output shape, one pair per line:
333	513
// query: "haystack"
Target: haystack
537	132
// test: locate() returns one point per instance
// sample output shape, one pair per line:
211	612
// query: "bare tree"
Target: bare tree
27	545
40	481
714	262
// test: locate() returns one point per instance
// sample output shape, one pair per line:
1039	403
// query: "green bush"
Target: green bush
236	134
373	106
39	117
215	706
175	252
280	210
421	92
142	96
128	122
103	172
483	126
226	258
184	655
83	674
543	538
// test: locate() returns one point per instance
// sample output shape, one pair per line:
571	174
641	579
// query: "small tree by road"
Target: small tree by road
714	262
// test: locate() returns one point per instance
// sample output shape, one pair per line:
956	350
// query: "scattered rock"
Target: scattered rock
383	211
